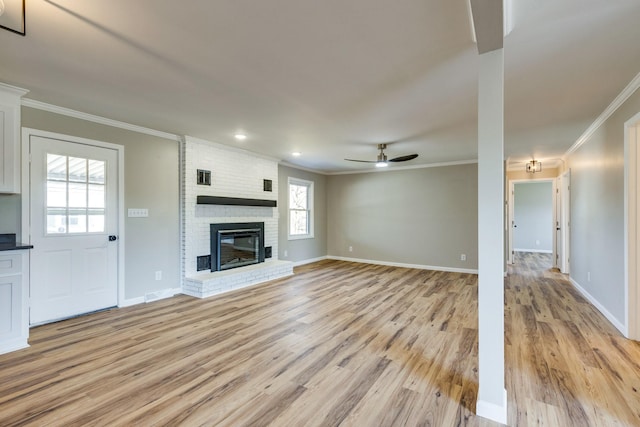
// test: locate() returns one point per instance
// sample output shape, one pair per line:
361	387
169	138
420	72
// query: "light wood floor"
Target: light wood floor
337	344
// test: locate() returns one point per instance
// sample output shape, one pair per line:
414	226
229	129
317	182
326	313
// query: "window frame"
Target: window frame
310	208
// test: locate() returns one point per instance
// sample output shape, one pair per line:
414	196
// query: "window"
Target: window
75	200
300	209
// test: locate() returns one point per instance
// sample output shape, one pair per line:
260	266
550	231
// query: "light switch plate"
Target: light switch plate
138	213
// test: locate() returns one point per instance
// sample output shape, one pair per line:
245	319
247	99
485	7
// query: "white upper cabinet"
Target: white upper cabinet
10	138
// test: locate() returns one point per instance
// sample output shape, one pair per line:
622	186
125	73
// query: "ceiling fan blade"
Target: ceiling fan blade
361	161
404	158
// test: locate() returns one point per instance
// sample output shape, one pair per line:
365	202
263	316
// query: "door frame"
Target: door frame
27	133
511	203
565	221
631	328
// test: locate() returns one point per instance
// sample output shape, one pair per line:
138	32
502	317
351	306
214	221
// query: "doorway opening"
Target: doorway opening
532	222
552	220
632	224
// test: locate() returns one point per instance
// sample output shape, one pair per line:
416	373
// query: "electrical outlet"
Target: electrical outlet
286	254
463	257
159	275
537	242
350	248
588	276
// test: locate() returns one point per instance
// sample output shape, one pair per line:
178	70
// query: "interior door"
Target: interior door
559	232
565	224
73	214
512	221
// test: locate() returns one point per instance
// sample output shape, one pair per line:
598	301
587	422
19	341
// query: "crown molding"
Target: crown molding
401	168
97	119
193	139
13	90
291	165
617	102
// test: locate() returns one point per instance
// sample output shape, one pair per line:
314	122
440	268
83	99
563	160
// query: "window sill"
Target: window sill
300	237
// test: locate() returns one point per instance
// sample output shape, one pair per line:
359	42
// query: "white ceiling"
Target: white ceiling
328	78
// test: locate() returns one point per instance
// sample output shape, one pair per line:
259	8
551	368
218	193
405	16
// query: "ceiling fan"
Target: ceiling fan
382	161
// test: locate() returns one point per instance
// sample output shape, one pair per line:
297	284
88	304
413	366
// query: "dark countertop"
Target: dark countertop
14	246
8	243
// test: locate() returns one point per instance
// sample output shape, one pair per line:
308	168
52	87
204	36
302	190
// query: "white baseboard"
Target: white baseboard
309	261
610	317
13	345
131	301
492	411
404	265
151	296
537	251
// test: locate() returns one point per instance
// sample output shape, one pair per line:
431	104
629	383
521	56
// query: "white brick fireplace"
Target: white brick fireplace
234	173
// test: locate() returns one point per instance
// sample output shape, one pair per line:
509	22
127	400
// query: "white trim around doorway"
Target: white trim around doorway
26	199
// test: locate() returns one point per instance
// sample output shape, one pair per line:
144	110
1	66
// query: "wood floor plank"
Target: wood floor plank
339	343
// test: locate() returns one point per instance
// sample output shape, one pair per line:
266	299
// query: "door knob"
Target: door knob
113	238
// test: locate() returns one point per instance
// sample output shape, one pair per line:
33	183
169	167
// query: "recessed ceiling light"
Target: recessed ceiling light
240	136
296	154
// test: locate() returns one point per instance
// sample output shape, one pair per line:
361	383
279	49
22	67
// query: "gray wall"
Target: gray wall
303	249
10	208
423	216
151	181
533	214
597	211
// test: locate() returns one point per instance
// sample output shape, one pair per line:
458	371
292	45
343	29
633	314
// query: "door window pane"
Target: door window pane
56	167
96	196
96	171
96	220
75	191
56	194
77	221
77	169
56	221
77	195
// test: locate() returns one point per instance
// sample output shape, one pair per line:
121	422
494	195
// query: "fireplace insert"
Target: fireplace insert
236	245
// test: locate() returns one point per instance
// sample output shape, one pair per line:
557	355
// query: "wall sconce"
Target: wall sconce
12	16
534	166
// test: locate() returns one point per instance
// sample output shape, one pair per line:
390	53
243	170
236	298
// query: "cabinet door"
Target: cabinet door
10	308
14	330
9	149
10	138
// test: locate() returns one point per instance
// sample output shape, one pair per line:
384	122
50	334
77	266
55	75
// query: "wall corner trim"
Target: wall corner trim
617	102
97	119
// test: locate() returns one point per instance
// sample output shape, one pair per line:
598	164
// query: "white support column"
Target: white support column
492	396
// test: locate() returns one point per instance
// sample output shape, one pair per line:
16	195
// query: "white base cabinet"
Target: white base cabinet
14	300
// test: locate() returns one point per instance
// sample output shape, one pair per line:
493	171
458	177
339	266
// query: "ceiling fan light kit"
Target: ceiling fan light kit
381	161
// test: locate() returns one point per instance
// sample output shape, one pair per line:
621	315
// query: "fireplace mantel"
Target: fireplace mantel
234	201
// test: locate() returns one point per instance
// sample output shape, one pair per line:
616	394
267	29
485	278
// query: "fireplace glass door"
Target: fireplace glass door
238	247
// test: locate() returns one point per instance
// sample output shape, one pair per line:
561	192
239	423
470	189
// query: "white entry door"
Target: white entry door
74	220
